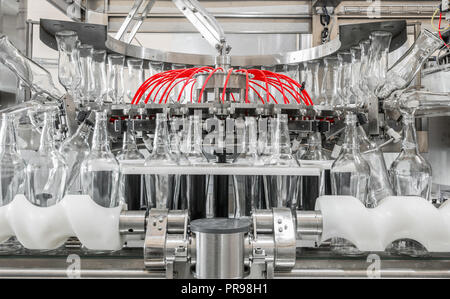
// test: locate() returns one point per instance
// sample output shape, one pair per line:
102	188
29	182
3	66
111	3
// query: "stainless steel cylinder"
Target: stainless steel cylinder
263	221
309	224
220	247
176	221
132	222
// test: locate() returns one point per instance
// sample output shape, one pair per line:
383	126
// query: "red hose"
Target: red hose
225	85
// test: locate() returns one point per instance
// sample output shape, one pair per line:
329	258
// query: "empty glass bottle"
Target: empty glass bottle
115	78
330	83
75	149
348	97
12	166
380	185
411	176
378	57
197	185
283	188
410	172
312	80
178	130
350	175
365	71
160	187
85	65
69	71
131	186
246	188
47	171
30	73
356	75
135	77
12	172
154	67
312	186
100	169
99	86
405	69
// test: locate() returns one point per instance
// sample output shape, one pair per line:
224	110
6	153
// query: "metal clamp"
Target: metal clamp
166	241
284	235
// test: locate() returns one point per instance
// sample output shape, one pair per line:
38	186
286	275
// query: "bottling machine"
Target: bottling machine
222	193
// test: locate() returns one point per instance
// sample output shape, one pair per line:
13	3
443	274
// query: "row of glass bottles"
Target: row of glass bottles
359	75
364	176
75	169
82	72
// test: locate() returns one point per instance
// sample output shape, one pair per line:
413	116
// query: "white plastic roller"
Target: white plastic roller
394	218
49	227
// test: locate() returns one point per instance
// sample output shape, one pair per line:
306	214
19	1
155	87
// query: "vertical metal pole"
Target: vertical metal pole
29	38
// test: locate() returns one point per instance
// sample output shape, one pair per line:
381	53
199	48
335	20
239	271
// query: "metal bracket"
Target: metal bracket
284	234
155	239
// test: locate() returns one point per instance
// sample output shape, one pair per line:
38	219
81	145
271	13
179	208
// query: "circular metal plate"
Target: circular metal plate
220	225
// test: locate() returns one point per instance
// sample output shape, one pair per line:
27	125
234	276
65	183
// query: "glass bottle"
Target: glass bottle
410	176
365	70
154	67
12	166
131	186
99	85
283	188
330	83
312	186
178	128
405	69
115	78
12	172
312	80
135	77
160	187
47	171
410	172
85	65
265	153
30	73
348	97
355	72
350	175
100	169
197	185
69	71
378	57
246	187
379	185
75	149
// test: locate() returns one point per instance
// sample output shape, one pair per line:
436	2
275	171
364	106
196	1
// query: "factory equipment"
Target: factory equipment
235	167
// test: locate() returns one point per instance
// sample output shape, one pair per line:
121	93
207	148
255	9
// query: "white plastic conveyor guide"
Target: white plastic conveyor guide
393	219
49	227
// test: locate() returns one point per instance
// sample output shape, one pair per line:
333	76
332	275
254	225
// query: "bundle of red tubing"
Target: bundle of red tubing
160	86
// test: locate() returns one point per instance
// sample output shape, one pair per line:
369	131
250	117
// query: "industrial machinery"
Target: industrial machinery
258	166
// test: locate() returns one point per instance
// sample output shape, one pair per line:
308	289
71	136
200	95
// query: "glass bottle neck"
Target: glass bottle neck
194	136
160	146
48	133
281	139
100	139
350	141
409	143
7	136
